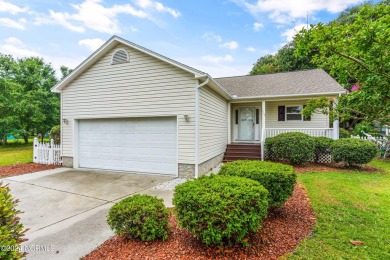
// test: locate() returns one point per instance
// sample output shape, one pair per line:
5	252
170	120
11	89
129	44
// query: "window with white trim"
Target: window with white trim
293	113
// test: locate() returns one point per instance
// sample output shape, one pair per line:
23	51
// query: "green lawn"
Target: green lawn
348	206
16	154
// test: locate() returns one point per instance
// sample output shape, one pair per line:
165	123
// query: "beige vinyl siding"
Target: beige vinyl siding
145	87
213	125
318	120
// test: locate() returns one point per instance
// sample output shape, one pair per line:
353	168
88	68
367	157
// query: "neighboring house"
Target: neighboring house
128	108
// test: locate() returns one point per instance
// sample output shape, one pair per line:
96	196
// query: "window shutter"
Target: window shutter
281	113
306	118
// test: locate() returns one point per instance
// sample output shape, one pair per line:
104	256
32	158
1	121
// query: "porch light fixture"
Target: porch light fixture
65	121
187	118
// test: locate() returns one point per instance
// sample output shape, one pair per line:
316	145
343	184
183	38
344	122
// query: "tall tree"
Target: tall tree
65	71
32	106
357	54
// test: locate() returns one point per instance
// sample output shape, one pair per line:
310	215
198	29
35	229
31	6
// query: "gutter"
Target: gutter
289	95
197	87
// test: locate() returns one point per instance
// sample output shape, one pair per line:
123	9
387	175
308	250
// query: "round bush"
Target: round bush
323	145
11	230
220	210
353	151
294	147
279	179
140	216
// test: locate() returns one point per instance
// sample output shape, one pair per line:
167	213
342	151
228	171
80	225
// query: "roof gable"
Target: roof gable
108	46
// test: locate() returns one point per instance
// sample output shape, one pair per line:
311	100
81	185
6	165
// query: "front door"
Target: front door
247	124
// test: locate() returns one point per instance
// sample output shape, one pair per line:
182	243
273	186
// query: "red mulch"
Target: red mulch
282	230
316	167
18	169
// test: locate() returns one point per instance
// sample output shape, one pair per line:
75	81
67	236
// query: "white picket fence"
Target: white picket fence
372	138
47	153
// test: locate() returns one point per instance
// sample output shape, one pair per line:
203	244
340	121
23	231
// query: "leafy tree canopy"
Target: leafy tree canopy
358	56
26	104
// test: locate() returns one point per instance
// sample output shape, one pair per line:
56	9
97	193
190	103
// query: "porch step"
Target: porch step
242	152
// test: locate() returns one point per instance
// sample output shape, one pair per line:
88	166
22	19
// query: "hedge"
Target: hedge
279	179
353	151
295	147
140	216
220	210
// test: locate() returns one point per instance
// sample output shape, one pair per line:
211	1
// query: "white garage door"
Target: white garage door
142	145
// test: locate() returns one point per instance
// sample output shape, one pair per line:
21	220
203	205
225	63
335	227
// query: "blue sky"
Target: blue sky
222	38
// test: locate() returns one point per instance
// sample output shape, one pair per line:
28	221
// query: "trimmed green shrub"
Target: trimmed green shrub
279	179
268	148
294	147
140	216
353	151
11	230
323	145
55	134
344	133
220	210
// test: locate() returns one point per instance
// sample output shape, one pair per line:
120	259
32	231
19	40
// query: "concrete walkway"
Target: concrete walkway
65	209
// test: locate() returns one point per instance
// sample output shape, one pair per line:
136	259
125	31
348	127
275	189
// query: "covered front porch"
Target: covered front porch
252	121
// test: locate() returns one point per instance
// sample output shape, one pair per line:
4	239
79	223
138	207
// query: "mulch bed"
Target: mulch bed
282	230
18	169
316	167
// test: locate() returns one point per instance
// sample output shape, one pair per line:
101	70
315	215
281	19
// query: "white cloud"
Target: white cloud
17	24
93	15
232	45
15	47
11	8
282	11
290	33
157	6
91	44
62	19
257	26
208	36
217	59
251	49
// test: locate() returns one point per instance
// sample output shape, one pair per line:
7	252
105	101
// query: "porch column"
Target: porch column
229	123
335	124
262	128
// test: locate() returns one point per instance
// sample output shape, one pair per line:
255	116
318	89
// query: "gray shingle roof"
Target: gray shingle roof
314	81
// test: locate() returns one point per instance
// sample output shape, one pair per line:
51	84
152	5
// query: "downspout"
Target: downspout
197	125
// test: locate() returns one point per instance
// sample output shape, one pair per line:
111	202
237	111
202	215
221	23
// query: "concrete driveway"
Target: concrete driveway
65	209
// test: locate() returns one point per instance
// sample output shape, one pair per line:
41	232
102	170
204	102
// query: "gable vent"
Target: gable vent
120	56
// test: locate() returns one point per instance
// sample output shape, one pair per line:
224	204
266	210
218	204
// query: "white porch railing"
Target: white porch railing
326	132
47	153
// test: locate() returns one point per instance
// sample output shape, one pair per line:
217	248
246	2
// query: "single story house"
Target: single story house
128	108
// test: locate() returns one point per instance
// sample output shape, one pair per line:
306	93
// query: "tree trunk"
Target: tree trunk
25	137
42	136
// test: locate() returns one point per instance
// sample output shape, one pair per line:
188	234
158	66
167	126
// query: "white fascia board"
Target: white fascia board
289	95
216	86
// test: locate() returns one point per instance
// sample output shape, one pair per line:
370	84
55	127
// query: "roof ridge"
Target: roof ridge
280	72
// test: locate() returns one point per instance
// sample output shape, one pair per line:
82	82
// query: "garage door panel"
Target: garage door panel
143	145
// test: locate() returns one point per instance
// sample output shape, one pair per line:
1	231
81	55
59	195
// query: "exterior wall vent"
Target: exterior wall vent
120	56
